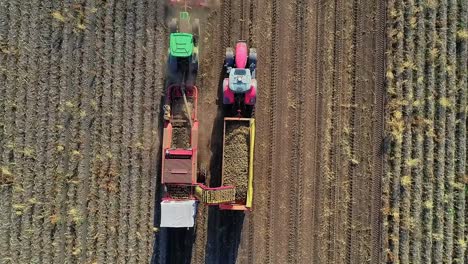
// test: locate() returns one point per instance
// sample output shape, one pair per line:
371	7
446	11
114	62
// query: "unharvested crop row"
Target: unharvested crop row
426	123
77	121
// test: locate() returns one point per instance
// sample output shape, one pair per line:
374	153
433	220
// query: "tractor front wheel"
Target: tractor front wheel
173	25
196	31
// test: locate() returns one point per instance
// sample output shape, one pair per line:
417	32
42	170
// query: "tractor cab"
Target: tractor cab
240	80
183	49
181	45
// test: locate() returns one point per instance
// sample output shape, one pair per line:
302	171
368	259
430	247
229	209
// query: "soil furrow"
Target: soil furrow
440	92
418	134
319	125
30	130
461	215
106	176
71	139
4	26
117	25
450	128
136	145
396	125
352	117
338	253
327	61
10	38
283	101
429	107
65	106
53	149
293	116
273	168
406	179
41	127
146	136
380	21
117	149
20	85
125	200
87	116
95	224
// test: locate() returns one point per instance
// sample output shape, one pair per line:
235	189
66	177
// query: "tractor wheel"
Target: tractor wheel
173	25
252	59
229	59
196	31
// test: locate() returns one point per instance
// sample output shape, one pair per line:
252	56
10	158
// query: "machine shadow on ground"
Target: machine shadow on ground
224	226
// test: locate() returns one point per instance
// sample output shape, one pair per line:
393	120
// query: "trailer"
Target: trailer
238	161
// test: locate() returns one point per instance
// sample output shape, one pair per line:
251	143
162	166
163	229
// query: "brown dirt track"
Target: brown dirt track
319	118
80	128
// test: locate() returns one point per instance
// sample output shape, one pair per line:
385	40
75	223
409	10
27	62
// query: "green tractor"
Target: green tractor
183	50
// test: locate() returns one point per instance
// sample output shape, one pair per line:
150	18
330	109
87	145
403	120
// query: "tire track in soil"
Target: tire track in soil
365	127
319	125
246	250
379	130
281	100
296	114
273	167
308	114
352	122
336	131
326	192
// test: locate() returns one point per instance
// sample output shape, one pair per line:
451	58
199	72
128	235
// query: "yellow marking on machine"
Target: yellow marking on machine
215	195
251	162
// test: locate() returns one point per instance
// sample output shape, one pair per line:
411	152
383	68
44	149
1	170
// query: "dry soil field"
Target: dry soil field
361	132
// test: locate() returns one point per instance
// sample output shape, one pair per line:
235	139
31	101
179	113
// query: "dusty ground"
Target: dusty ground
82	82
318	160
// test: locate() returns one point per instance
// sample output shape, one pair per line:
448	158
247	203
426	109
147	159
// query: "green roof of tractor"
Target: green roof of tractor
181	44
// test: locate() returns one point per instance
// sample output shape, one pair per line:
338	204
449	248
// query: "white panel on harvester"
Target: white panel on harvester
178	213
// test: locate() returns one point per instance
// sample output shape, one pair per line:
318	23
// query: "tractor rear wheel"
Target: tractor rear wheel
229	59
252	58
196	31
173	25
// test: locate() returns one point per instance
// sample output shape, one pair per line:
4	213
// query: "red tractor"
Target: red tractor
240	87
